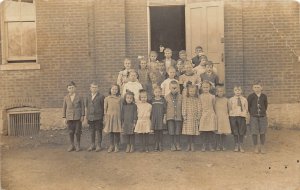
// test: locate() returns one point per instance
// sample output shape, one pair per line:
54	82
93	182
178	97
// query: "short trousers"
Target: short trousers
74	126
174	127
96	125
238	125
258	125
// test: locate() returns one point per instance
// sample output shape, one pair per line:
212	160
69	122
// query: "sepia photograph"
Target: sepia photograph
150	94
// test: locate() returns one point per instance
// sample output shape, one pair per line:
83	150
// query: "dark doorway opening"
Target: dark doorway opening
168	28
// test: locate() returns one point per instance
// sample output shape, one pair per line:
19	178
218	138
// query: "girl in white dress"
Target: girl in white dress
143	124
222	112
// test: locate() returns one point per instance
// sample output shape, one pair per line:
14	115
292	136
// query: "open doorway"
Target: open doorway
167	28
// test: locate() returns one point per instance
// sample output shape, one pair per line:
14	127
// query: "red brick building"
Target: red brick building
87	40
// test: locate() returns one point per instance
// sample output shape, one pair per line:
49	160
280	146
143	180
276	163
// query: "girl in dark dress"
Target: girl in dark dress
158	117
128	120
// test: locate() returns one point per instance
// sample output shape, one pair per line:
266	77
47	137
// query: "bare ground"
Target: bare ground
41	162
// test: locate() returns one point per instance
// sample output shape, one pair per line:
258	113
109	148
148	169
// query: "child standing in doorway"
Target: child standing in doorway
238	108
112	117
168	59
153	62
73	112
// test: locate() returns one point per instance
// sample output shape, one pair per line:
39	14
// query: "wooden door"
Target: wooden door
205	28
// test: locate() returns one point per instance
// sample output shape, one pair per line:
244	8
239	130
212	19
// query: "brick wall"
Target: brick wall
136	29
87	41
265	53
109	41
234	54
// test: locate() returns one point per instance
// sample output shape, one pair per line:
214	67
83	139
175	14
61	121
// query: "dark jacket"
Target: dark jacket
257	107
73	110
95	107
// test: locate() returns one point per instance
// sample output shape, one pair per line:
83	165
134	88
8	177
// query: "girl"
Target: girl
122	77
143	72
189	75
152	65
158	117
128	120
190	113
112	119
152	84
132	85
143	123
208	120
222	112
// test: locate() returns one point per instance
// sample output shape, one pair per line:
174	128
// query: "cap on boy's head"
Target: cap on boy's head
71	84
257	82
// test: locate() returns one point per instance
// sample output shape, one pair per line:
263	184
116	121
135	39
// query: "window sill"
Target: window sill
19	66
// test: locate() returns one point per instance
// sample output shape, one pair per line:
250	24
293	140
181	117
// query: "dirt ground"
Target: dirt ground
41	162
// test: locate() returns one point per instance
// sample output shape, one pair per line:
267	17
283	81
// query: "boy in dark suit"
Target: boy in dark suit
199	54
73	112
94	116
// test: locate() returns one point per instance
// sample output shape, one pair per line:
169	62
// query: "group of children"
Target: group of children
183	97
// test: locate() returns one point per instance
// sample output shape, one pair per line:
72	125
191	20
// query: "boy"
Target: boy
161	74
257	105
180	68
94	115
165	85
199	54
73	112
210	76
238	108
174	115
160	54
182	56
168	59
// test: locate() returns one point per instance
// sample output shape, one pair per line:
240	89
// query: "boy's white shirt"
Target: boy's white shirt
165	86
72	97
235	109
94	95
